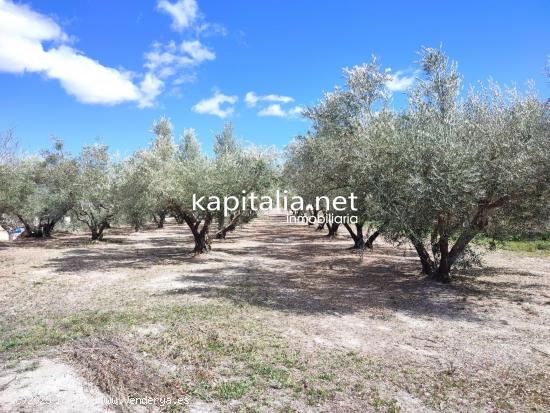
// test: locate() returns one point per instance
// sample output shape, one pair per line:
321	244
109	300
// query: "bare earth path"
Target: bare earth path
276	318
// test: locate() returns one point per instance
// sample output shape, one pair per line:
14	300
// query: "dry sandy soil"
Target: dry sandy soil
276	318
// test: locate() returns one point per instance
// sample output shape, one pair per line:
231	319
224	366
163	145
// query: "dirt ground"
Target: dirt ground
276	318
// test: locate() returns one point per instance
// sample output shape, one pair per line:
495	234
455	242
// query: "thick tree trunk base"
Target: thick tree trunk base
97	235
202	246
332	230
371	240
223	232
358	244
32	234
440	275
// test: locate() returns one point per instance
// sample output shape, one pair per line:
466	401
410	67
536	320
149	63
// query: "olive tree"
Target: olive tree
191	174
162	151
329	161
133	191
8	186
237	172
41	191
186	176
140	196
8	189
447	166
95	181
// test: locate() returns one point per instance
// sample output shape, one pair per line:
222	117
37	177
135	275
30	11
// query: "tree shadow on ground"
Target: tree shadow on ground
276	266
328	282
129	254
113	236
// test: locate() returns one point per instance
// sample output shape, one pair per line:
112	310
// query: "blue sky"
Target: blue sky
83	70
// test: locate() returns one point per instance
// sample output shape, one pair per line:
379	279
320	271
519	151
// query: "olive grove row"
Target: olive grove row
436	173
39	191
450	165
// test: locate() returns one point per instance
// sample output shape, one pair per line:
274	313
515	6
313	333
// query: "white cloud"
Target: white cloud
167	59
400	82
212	106
197	51
277	111
273	110
277	98
22	33
178	61
88	80
296	111
161	56
151	86
185	78
183	12
252	99
211	29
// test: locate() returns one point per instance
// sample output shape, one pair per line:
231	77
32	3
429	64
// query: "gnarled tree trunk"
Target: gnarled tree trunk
233	220
371	239
439	269
97	230
179	218
357	236
159	218
425	259
43	230
200	234
47	228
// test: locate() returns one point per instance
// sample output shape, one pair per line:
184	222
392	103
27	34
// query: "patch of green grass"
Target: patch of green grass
235	356
57	331
317	395
233	389
31	335
327	376
539	246
276	377
10	343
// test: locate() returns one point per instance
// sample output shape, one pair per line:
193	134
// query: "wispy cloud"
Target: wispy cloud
277	111
179	60
166	59
182	12
213	105
272	109
252	99
23	33
197	52
401	80
211	29
151	86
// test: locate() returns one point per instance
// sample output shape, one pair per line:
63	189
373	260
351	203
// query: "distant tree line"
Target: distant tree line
37	192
